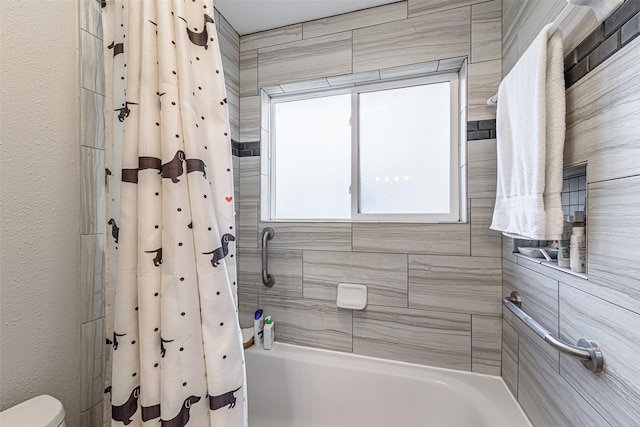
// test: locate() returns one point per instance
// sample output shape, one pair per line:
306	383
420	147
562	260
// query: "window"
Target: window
381	152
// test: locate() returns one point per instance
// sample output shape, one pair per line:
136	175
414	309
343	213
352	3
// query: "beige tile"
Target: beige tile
546	398
321	236
385	275
416	336
514	15
230	61
420	7
235	161
436	239
484	79
226	30
602	112
351	79
249	73
304	85
92	191
486	31
233	103
617	332
305	60
310	323
92	363
451	64
507	249
486	344
352	21
542	13
276	36
92	113
249	179
248	225
409	70
250	119
482	169
93	417
509	58
510	357
614	249
484	241
247	306
92	302
455	284
90	17
285	266
92	59
415	40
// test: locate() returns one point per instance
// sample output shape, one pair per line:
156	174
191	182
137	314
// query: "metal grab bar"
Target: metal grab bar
587	351
267	279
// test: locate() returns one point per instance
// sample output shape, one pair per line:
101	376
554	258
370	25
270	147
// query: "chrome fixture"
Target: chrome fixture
267	279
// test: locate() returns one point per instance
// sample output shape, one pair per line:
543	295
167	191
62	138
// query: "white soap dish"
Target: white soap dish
352	296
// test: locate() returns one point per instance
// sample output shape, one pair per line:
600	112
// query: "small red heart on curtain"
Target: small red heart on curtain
228	199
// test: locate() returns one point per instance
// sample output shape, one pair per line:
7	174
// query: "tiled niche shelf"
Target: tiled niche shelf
574	197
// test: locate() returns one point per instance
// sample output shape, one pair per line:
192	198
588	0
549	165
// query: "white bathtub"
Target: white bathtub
292	386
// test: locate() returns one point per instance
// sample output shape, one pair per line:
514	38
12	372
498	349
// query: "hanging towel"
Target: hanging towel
531	131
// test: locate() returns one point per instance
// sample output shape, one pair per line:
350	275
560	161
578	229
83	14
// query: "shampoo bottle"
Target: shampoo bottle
578	250
258	327
269	333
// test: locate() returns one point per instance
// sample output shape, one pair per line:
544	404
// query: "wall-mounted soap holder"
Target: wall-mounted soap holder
352	296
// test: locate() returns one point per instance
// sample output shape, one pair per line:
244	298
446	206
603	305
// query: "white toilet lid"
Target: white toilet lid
41	411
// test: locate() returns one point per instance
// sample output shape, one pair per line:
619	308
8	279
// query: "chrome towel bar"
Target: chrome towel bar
587	351
267	279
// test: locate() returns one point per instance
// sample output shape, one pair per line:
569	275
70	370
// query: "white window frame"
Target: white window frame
456	191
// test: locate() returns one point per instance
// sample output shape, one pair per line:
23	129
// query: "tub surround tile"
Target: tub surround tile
409	70
249	73
247	306
248	225
601	112
482	169
421	7
310	235
92	72
233	103
486	31
604	51
424	38
92	113
436	239
92	195
617	332
484	241
92	363
620	16
273	37
542	13
450	64
92	299
455	284
90	17
385	275
514	17
509	58
486	344
354	20
225	29
92	417
285	265
510	357
352	79
484	79
507	250
415	336
630	30
306	85
250	118
249	179
546	398
614	261
309	322
306	59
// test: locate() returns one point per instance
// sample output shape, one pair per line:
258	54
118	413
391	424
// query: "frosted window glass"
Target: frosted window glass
313	158
405	149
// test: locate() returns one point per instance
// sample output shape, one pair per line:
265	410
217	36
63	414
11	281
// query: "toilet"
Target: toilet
41	411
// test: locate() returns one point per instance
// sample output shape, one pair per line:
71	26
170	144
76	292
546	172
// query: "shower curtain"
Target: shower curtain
177	356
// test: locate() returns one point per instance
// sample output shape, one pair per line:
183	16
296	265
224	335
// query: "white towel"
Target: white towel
531	131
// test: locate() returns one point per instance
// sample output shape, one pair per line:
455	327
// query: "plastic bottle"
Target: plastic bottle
578	250
258	327
563	246
269	333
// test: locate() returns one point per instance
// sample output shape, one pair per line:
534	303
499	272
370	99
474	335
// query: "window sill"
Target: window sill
552	264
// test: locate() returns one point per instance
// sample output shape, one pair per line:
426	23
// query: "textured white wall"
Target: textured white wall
39	202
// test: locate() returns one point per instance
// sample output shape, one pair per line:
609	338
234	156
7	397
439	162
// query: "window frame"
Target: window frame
455	189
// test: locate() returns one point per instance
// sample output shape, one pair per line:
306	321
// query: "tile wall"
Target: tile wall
603	108
434	289
92	218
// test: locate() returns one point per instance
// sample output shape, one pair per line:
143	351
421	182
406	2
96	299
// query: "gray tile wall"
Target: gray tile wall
554	389
92	218
434	289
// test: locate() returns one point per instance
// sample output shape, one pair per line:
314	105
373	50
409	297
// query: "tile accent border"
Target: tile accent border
608	38
481	129
245	149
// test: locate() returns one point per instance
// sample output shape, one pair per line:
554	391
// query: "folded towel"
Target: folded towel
530	133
